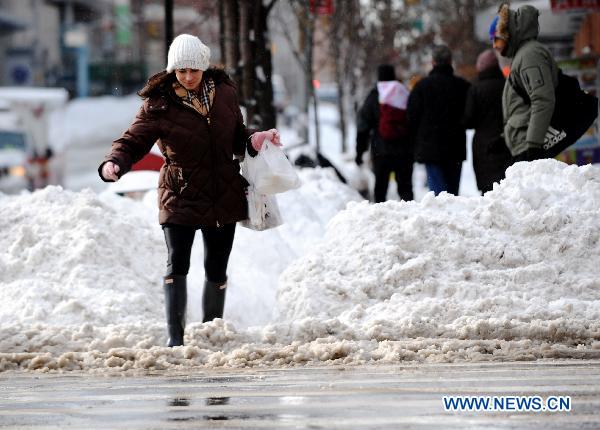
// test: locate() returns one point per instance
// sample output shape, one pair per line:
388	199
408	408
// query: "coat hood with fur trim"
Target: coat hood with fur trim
517	27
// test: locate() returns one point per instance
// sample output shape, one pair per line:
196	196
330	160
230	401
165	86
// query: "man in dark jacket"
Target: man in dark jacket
389	153
483	113
435	110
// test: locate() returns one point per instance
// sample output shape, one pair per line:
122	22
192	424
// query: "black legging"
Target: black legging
402	168
217	247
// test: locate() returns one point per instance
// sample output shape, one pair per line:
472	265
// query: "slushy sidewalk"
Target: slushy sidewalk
404	396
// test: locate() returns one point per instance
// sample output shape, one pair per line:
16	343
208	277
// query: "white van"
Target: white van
24	135
14	150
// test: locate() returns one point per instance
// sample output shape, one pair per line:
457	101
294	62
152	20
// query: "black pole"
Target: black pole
168	24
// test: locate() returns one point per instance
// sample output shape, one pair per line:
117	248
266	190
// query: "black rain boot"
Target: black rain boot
175	287
213	300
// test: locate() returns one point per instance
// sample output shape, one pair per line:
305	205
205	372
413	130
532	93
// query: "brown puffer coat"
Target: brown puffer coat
200	183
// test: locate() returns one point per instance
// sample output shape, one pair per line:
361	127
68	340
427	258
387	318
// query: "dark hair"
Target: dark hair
162	80
386	72
155	83
441	54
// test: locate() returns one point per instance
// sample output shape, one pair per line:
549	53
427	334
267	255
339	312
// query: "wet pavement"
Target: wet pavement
364	397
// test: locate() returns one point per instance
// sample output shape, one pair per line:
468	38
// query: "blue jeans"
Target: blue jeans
444	177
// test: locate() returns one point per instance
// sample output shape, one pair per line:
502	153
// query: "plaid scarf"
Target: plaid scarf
201	102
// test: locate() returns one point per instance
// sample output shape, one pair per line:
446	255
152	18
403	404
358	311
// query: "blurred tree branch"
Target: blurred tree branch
246	48
456	20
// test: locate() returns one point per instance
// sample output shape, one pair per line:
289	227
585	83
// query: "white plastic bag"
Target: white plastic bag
263	211
270	171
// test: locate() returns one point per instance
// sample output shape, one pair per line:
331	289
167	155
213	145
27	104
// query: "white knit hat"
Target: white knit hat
188	52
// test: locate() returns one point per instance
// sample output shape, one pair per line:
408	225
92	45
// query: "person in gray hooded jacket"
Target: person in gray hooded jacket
534	72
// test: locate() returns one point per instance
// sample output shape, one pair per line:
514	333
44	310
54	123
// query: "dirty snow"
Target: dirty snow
508	276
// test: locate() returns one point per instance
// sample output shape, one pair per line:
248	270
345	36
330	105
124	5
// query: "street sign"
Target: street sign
561	5
321	7
123	22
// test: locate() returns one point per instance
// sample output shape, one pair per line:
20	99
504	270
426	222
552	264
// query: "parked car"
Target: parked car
14	147
13	161
25	119
327	92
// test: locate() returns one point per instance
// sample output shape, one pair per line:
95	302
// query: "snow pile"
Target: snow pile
508	276
519	263
82	273
67	258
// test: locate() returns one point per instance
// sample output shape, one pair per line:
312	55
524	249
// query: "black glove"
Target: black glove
358	159
534	152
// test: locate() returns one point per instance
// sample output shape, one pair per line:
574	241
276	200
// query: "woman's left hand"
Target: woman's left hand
259	137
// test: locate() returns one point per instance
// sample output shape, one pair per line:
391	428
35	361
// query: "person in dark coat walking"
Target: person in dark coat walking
192	112
435	109
483	113
390	145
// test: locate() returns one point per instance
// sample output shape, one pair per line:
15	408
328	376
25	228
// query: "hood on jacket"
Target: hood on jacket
520	26
392	93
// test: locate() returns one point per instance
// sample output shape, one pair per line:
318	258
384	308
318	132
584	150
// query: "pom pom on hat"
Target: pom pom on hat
188	52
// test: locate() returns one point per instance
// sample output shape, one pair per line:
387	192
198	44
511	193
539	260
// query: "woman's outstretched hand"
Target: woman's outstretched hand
110	170
259	137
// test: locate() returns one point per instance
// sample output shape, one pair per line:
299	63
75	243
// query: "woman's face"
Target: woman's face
189	78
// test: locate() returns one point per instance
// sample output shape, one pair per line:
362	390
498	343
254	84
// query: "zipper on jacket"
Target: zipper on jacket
208	123
214	156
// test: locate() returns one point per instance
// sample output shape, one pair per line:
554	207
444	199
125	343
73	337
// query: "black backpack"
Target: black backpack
574	113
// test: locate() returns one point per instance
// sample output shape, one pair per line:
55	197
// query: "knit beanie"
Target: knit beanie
486	60
493	27
386	72
187	52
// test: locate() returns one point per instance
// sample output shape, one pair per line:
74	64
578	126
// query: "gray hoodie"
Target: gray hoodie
533	70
